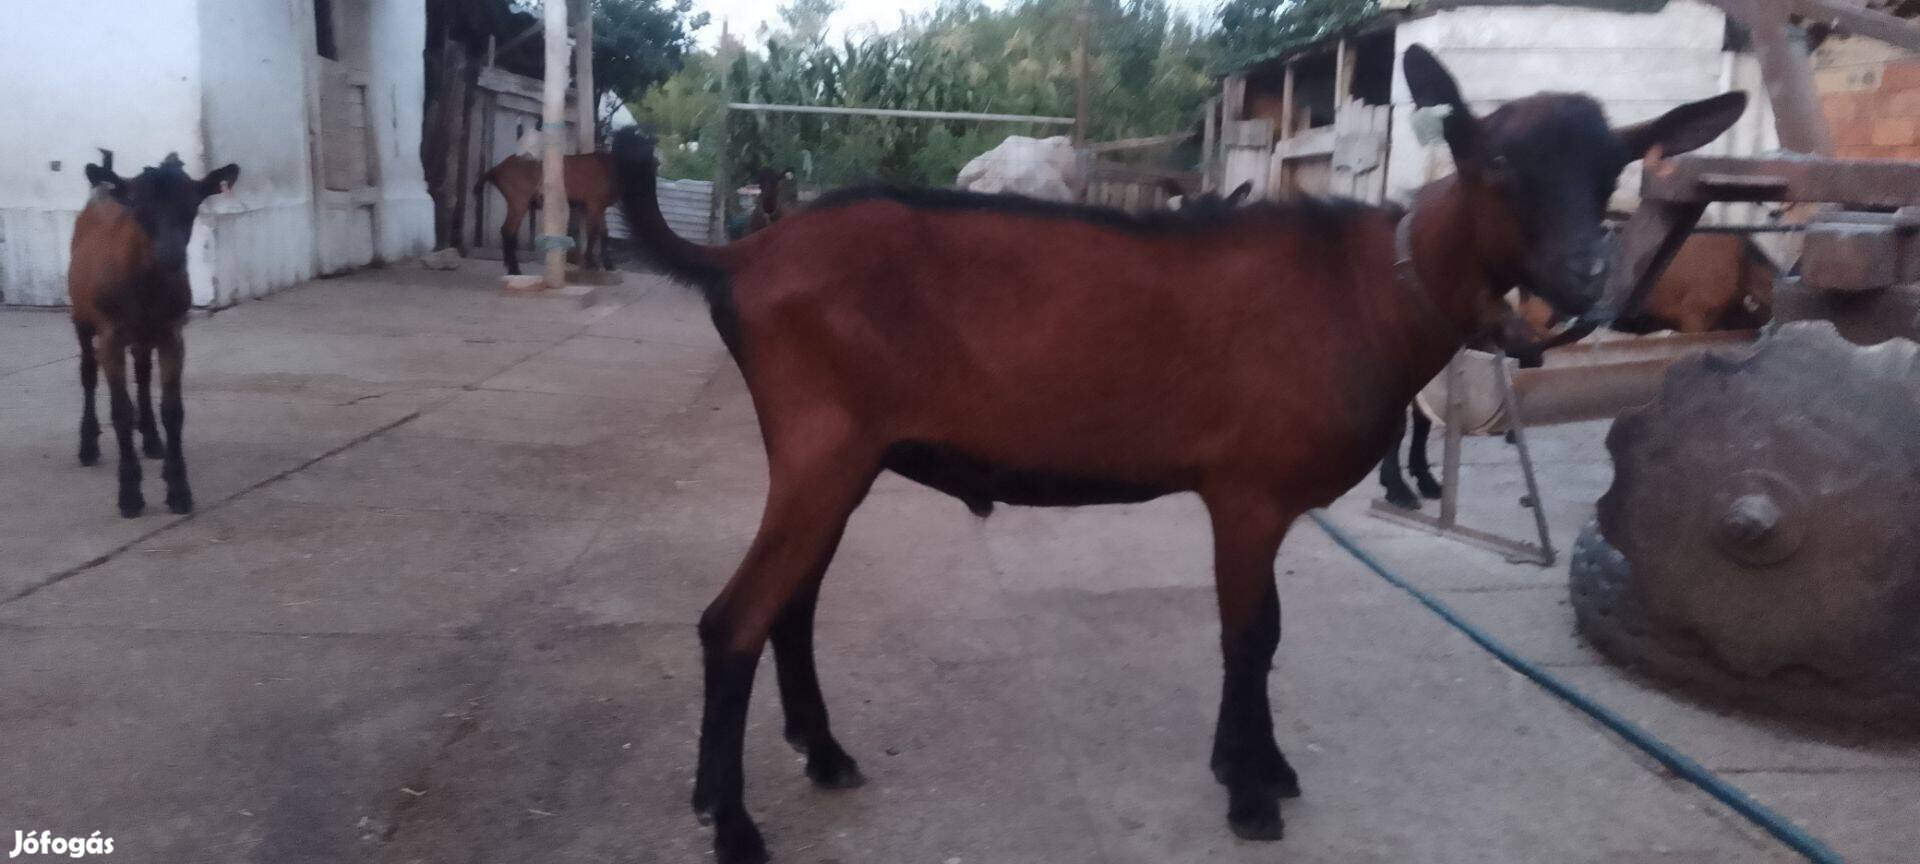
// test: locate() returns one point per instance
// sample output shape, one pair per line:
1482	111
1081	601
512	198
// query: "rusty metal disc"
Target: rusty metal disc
1767	504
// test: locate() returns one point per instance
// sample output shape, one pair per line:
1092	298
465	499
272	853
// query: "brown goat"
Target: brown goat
771	205
591	183
1002	349
128	291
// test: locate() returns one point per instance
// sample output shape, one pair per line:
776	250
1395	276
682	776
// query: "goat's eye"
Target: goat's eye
1499	163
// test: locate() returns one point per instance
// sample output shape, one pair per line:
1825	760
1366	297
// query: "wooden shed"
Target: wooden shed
1334	116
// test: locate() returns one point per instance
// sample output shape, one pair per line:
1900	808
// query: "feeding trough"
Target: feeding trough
1483	393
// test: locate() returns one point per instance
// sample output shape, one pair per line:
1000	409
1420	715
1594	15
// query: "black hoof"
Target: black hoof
153	450
90	457
1428	488
1256	819
838	771
1403	499
131	507
180	504
736	841
1276	778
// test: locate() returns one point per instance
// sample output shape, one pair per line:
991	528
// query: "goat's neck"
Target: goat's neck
1445	258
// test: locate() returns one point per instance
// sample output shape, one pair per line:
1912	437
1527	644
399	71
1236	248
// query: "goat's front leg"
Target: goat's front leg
1247	529
112	356
143	397
89	381
173	415
828	765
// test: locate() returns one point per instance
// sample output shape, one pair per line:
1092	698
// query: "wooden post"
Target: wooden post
1286	103
553	118
1209	147
722	186
1342	77
587	114
1280	181
1083	70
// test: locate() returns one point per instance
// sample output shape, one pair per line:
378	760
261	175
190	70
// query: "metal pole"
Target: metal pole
553	118
1519	427
1450	456
587	113
896	112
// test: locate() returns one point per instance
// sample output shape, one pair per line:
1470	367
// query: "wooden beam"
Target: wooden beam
1138	143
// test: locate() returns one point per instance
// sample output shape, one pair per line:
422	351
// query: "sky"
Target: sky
745	17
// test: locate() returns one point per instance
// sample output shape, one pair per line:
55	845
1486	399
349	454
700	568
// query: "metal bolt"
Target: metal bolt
1750	520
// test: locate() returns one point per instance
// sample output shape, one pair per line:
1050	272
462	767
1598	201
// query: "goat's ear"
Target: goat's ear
1688	127
219	179
1239	193
103	178
1433	86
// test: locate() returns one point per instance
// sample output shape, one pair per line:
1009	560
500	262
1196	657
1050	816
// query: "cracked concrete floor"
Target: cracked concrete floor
437	606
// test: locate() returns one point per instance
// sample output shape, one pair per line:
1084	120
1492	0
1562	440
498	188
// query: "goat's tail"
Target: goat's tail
670	253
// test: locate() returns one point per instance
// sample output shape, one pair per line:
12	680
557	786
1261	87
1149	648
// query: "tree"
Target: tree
640	43
1251	30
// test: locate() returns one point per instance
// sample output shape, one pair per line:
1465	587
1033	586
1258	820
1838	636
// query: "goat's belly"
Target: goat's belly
980	483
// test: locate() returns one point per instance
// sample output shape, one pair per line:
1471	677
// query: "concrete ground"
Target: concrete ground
438	604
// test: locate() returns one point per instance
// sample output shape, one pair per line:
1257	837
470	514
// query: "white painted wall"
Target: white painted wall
123	75
253	59
1638	66
217	81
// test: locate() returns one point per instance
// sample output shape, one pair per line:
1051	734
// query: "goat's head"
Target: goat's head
164	201
1538	171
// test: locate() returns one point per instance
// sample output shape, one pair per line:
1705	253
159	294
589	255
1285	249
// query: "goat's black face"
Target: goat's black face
164	201
1539	171
1551	162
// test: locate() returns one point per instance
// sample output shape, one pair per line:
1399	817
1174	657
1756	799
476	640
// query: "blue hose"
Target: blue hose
1687	769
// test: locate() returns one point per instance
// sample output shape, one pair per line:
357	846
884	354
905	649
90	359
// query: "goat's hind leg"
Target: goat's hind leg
809	498
89	381
828	765
1247	529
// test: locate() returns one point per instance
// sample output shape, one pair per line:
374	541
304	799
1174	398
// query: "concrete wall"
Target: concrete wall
217	81
1636	65
124	75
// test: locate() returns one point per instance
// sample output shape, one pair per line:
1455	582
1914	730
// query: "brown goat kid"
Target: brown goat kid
591	183
128	291
1001	349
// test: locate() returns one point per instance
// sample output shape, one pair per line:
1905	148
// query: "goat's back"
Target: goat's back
1077	344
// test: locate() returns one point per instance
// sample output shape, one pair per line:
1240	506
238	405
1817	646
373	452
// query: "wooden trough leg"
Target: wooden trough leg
1447	523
